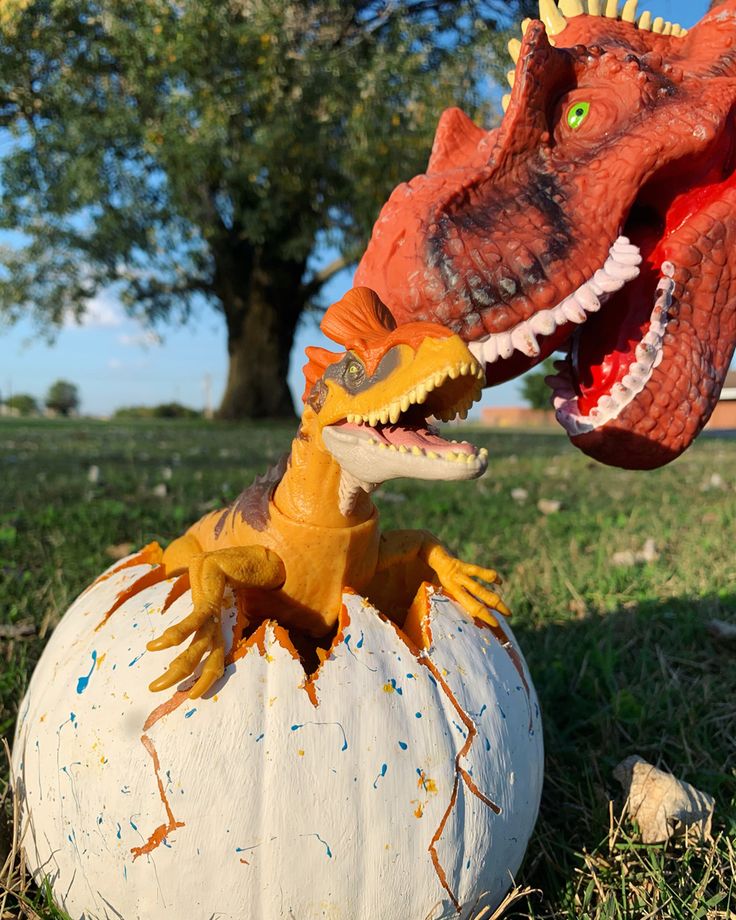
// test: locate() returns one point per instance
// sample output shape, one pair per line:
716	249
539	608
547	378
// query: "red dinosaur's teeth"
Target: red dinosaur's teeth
510	350
581	415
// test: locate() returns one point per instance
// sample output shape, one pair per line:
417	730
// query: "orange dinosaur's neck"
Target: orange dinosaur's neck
309	491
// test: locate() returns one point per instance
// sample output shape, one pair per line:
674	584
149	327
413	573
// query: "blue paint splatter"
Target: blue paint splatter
324	842
261	736
134	826
136	659
411	676
432	678
394	686
384	768
482	710
344	747
346	641
99	819
418	715
403	745
488	745
83	681
501	711
190	713
359	643
459	728
119	832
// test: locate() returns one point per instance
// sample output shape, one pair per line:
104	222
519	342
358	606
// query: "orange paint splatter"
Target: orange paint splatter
426	782
163	831
418	811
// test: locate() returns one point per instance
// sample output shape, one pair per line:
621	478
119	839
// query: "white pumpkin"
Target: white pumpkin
408	791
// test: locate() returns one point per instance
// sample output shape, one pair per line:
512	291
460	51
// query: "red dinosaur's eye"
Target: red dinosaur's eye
576	114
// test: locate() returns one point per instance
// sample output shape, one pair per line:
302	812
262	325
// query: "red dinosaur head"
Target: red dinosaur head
600	219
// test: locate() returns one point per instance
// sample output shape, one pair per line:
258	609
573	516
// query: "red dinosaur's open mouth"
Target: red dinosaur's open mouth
624	312
611	358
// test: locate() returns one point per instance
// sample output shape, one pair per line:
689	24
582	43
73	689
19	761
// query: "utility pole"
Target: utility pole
207	385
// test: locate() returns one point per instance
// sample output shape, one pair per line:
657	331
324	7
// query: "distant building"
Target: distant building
724	414
517	417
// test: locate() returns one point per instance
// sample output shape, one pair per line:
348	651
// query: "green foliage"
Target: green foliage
167	146
620	654
22	403
533	388
165	410
62	397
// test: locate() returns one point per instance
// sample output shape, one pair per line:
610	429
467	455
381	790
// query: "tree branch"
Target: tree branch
312	287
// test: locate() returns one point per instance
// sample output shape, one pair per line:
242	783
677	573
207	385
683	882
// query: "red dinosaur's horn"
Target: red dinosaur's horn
455	142
709	45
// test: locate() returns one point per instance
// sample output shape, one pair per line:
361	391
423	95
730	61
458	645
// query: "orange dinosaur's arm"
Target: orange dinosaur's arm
400	548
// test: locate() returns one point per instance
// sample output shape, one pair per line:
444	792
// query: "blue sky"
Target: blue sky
114	361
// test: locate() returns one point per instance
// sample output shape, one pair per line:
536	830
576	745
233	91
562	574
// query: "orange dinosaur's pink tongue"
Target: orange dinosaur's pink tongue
420	436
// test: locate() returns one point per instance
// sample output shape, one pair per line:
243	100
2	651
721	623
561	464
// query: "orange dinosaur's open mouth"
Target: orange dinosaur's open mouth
392	443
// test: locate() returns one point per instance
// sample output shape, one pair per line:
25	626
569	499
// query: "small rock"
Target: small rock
548	505
624	559
648	553
722	631
716	481
93	475
519	495
161	490
166	473
661	805
119	550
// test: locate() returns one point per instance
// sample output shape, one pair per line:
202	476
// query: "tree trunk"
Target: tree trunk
262	310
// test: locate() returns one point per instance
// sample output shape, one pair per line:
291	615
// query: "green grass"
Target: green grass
620	655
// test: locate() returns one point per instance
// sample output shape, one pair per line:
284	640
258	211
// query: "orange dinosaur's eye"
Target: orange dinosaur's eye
576	114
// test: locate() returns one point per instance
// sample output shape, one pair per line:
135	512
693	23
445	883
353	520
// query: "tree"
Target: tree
62	397
533	388
22	403
196	151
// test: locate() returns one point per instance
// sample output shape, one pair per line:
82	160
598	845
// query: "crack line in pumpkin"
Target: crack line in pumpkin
506	645
419	617
163	830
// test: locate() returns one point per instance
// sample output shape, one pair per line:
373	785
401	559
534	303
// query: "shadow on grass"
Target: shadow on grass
647	680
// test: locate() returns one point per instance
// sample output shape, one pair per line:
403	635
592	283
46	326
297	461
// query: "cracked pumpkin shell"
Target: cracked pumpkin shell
398	783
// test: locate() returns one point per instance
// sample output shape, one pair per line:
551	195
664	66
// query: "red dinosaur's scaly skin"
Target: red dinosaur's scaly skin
618	148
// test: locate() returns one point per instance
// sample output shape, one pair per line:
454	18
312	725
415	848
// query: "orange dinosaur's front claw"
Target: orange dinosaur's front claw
460	580
243	567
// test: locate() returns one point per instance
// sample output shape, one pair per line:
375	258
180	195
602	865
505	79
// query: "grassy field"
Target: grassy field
618	648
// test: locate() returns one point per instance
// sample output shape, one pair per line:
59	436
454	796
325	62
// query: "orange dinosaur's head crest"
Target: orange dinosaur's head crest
364	325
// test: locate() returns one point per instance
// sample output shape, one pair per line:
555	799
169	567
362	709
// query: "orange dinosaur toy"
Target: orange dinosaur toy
294	540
